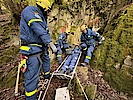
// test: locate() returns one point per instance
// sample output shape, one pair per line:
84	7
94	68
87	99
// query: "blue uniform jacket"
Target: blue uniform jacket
33	29
62	38
88	38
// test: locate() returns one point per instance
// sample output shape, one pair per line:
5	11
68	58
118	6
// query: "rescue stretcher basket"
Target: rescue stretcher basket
61	76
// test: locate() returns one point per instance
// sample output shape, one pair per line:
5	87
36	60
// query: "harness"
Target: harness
25	46
38	55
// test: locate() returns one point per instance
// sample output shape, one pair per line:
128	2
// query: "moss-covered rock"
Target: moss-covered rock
115	48
8	55
90	90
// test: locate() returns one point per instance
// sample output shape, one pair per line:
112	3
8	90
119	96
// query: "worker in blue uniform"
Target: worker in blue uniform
88	42
70	63
35	38
61	44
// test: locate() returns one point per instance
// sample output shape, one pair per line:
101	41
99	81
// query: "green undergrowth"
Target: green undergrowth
117	45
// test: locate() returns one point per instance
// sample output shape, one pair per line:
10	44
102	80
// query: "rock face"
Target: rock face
79	12
112	57
108	10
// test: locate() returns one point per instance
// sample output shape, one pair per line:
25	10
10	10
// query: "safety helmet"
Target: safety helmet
67	31
45	3
83	27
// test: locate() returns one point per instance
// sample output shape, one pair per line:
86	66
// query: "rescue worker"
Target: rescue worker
88	42
70	63
35	38
61	44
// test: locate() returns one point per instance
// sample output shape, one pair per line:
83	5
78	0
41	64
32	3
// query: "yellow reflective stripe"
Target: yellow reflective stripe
55	42
22	63
31	93
46	28
34	20
58	55
26	48
98	34
67	49
47	73
88	57
36	45
84	48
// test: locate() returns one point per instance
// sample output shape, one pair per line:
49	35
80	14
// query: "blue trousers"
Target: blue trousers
32	74
70	62
89	51
59	51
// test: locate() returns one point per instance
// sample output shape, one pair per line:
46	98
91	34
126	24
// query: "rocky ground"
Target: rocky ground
103	90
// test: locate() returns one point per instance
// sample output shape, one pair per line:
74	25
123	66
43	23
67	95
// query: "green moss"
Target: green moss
117	45
119	80
9	79
77	89
8	55
91	91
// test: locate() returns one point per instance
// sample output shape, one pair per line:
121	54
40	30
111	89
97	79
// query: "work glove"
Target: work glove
22	63
53	47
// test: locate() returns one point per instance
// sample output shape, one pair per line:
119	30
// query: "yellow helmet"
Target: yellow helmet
45	3
67	31
83	27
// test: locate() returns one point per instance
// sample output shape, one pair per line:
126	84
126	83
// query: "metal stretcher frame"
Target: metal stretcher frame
68	76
